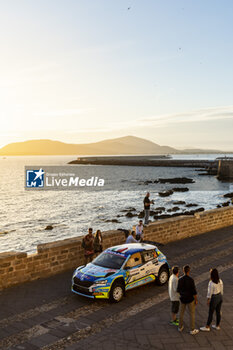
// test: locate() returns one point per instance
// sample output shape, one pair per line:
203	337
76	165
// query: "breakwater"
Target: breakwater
225	169
147	161
53	258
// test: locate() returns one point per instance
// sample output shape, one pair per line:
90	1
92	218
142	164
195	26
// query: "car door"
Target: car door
133	270
150	262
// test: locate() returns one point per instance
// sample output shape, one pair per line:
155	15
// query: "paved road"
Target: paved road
45	315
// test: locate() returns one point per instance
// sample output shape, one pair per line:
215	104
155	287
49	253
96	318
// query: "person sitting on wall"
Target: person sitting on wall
88	245
131	238
98	242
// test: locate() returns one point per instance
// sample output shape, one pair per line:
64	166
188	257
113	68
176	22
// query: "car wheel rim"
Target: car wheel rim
117	293
163	277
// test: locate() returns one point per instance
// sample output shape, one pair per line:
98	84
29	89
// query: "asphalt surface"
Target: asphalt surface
44	314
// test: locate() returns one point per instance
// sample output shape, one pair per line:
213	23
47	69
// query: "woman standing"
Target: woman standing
214	300
98	245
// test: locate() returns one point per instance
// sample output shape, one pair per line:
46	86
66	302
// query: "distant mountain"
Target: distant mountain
121	145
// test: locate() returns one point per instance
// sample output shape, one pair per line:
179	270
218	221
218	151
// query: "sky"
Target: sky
81	71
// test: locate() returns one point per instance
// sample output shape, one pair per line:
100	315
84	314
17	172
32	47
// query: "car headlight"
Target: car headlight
101	282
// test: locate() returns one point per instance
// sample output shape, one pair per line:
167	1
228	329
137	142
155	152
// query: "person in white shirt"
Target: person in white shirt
214	300
139	231
174	295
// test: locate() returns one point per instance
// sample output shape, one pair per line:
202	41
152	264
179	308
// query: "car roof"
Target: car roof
131	248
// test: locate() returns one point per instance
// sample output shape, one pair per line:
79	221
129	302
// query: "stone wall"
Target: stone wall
59	256
187	226
225	169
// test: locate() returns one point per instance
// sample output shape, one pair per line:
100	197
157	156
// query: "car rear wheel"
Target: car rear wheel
116	292
163	276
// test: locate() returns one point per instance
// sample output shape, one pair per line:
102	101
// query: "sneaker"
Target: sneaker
216	327
180	329
194	331
174	323
205	329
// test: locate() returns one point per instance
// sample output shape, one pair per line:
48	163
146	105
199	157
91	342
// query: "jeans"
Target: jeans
215	305
191	307
147	214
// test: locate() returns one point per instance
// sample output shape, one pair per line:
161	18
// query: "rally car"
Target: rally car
119	269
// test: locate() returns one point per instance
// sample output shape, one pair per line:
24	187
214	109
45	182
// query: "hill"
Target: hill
121	145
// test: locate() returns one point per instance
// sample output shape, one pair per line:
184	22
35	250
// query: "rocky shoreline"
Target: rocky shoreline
160	213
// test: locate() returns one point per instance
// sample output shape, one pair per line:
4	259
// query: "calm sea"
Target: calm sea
25	214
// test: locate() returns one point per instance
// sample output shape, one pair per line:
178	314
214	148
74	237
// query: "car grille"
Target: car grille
81	283
81	289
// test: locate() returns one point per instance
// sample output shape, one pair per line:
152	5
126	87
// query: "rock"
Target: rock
49	227
141	214
191	205
173	209
166	193
131	209
130	215
179	202
228	195
113	220
156	212
176	180
160	208
128	209
226	204
177	214
180	189
148	182
199	209
163	216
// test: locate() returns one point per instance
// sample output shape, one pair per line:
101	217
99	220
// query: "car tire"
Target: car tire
116	292
163	276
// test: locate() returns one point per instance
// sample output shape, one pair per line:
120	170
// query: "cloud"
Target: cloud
201	115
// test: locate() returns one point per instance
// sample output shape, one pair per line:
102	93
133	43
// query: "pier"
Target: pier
146	160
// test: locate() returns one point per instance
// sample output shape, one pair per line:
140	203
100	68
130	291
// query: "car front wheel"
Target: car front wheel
163	276
116	292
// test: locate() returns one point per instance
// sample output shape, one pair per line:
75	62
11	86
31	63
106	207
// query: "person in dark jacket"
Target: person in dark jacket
87	244
188	297
147	202
98	242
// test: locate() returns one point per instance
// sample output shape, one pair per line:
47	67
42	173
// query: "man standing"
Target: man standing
188	297
139	231
174	296
87	244
147	204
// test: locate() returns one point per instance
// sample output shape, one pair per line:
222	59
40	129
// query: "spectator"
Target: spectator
139	231
174	295
214	300
87	244
188	297
147	204
131	237
98	246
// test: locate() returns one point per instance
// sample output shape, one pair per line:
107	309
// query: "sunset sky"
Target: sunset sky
82	71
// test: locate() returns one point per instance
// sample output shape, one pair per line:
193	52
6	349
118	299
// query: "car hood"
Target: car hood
91	272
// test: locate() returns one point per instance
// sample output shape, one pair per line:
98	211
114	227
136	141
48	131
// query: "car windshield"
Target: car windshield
109	260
